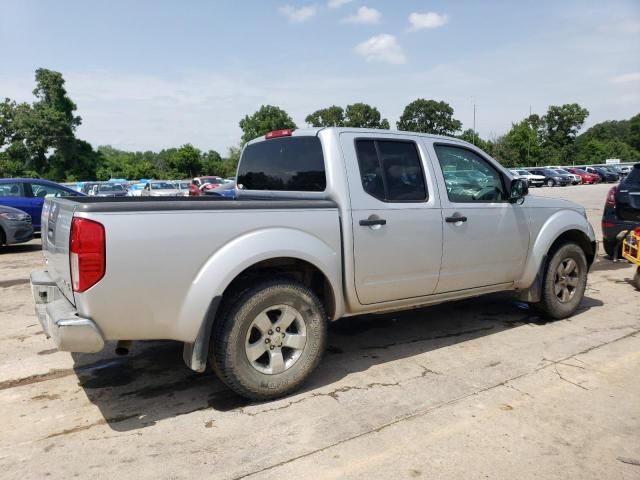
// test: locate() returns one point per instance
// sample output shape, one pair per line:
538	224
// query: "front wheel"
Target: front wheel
270	340
564	282
550	183
636	279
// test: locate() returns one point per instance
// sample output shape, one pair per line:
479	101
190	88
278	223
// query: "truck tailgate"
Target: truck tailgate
56	226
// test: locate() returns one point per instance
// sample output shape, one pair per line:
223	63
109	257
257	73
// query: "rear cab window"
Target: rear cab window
294	164
633	177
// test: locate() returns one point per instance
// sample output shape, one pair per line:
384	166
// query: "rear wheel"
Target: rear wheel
3	238
270	340
564	282
550	182
636	279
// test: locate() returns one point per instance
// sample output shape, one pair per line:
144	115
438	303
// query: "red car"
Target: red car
199	184
585	176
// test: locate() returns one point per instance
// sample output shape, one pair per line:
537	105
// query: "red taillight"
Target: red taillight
87	253
608	224
285	132
611	198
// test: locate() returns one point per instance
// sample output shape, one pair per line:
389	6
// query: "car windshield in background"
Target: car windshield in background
579	170
291	163
162	186
108	187
183	185
548	171
213	181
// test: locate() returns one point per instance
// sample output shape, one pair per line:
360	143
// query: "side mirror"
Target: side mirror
518	190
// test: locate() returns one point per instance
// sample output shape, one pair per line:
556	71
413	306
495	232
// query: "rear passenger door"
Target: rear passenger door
396	218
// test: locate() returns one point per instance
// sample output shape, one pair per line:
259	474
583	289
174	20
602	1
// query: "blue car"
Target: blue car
28	194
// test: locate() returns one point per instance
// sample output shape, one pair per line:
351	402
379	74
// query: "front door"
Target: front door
486	238
396	218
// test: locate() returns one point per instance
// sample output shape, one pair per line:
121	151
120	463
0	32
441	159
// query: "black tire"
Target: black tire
236	326
551	183
551	305
636	279
2	239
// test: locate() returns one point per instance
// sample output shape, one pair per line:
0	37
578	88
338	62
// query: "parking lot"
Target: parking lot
480	388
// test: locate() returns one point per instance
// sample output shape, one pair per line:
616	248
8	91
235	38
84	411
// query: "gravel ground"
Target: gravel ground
480	388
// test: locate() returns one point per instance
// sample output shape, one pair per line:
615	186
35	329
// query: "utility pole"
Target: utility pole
529	137
474	124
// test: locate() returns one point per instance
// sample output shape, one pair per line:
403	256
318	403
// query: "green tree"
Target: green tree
429	116
184	162
522	144
473	137
634	132
332	116
266	119
362	115
562	124
212	163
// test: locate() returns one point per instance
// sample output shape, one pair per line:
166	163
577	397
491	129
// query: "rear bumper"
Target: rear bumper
60	320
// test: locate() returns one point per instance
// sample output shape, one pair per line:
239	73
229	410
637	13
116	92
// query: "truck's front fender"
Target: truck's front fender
553	228
253	247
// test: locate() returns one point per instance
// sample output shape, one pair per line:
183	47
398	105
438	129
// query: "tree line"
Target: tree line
38	139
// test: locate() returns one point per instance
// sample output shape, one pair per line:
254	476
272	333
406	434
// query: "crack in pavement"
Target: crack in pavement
434	407
335	393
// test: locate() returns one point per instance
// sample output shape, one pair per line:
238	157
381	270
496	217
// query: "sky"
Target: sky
147	75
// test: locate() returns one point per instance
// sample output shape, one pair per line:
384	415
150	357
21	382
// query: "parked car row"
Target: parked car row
560	176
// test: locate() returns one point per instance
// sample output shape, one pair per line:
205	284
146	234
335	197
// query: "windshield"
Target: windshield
560	171
550	172
523	172
110	187
162	186
212	181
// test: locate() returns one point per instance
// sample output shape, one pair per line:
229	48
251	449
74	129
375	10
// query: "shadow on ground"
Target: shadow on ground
20	248
153	383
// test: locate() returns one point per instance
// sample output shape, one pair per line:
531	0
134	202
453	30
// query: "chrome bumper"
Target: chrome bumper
60	320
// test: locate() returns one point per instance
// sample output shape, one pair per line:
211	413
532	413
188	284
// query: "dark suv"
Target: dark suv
551	177
622	209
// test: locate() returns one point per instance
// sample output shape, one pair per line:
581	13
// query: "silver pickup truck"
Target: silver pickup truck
328	223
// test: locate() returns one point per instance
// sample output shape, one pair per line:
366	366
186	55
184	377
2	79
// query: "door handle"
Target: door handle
455	219
369	222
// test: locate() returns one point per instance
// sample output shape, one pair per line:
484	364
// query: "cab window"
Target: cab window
391	170
469	178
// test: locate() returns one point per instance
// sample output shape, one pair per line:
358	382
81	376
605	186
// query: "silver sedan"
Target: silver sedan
15	226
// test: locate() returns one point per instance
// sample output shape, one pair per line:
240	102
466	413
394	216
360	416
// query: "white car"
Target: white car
532	180
161	189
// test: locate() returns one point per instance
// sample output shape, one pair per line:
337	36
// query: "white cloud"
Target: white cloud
298	15
626	78
382	48
364	15
337	3
419	21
